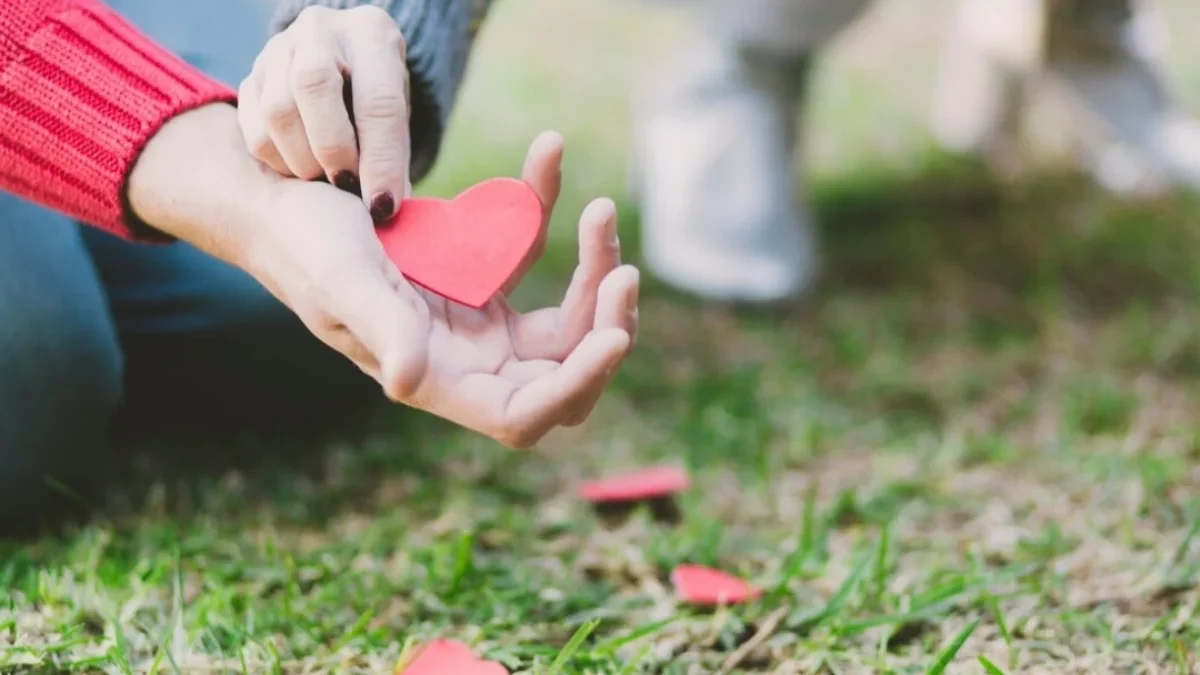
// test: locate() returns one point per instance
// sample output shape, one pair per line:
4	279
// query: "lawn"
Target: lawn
979	438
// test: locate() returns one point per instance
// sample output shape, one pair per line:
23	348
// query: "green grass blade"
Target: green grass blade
631	667
989	667
611	645
951	650
571	647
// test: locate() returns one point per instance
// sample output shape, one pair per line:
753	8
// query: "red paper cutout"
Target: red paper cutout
449	657
637	486
465	249
701	585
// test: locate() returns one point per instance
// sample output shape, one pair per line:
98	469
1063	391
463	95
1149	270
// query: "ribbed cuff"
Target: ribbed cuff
78	106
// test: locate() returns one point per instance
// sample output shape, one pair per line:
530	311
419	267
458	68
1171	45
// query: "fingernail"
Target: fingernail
383	206
346	181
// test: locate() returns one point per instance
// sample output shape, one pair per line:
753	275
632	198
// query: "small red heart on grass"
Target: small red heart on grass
449	657
641	485
701	585
465	249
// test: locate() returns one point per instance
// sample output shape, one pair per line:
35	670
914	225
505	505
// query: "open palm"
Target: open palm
515	376
511	376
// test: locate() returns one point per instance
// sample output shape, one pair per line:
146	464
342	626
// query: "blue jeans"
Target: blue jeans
96	332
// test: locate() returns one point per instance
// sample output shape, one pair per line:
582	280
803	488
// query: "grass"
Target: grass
973	451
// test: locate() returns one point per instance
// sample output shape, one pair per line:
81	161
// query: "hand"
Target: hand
511	376
300	115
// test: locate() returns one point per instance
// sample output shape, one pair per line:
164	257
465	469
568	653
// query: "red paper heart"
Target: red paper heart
701	585
449	657
637	486
465	249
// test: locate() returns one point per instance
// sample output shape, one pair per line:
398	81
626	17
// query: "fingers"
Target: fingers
552	333
542	404
543	172
539	395
254	129
599	255
296	115
282	116
617	307
317	84
376	57
522	415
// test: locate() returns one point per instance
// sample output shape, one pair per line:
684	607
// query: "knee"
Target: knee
60	385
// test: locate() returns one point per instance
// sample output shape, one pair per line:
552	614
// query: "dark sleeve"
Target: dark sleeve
439	34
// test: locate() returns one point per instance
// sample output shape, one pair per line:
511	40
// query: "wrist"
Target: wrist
194	181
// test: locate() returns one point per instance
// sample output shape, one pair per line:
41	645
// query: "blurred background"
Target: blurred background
572	66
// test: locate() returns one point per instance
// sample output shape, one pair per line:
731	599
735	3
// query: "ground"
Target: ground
978	439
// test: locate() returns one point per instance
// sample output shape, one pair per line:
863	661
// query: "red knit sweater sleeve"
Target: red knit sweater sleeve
81	91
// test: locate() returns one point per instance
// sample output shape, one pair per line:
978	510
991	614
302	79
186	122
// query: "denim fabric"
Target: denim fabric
97	333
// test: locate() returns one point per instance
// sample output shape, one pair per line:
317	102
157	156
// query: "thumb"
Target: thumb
391	321
543	172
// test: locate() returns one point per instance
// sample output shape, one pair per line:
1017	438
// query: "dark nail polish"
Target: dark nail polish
346	181
383	206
